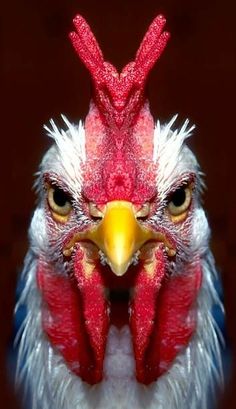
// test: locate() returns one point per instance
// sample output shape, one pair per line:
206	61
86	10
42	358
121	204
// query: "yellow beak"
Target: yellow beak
119	235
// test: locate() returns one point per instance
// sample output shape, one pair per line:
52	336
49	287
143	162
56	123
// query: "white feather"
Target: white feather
171	155
68	154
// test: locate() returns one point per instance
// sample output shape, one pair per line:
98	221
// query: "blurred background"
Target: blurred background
42	77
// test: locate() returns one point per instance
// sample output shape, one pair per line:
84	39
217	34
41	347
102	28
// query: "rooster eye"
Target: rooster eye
59	203
179	203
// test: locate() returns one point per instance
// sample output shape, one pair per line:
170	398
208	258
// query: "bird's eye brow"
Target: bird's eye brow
182	182
55	181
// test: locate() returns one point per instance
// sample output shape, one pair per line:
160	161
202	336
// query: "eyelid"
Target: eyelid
54	180
182	184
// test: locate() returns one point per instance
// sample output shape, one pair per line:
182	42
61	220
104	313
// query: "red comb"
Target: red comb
119	97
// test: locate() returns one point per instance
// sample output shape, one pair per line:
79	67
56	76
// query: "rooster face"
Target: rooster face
119	254
120	240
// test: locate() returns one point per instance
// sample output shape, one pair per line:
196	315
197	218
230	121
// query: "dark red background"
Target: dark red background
42	78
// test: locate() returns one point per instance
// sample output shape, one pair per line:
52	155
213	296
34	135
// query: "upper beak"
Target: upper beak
119	235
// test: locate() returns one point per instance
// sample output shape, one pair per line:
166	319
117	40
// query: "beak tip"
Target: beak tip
119	269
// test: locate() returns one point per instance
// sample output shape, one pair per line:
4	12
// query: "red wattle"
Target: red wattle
95	311
143	311
62	319
75	318
163	318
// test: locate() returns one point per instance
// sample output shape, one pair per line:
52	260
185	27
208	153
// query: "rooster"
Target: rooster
119	278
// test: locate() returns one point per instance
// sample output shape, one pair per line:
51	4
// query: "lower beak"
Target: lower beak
119	235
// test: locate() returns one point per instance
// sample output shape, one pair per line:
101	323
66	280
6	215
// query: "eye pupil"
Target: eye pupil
178	198
59	197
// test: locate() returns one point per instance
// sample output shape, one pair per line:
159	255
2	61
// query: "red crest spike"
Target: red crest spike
119	97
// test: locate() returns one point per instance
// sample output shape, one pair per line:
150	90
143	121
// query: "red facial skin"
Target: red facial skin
119	148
